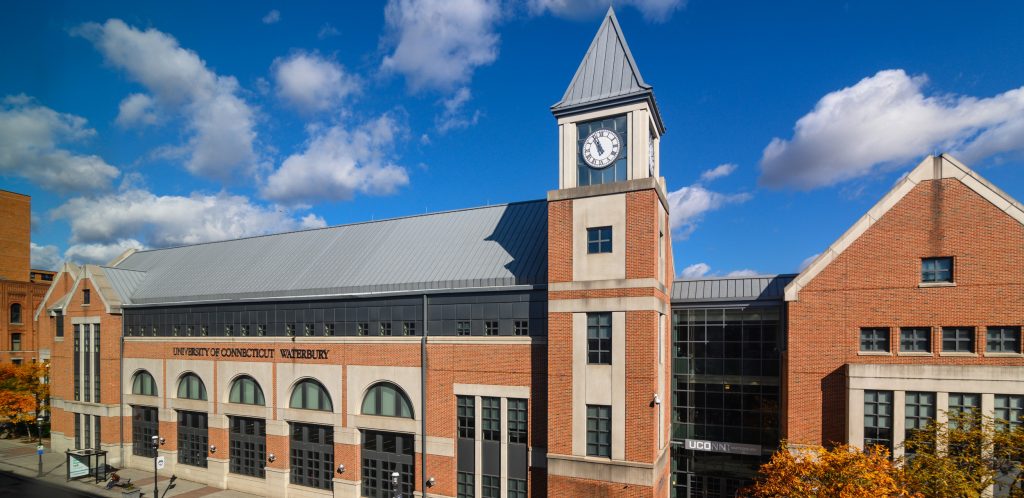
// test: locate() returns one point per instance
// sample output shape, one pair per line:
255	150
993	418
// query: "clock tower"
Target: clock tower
609	275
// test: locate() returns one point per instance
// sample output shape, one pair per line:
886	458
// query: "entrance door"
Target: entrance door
384	453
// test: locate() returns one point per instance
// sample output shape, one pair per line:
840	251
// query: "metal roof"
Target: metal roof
722	289
495	246
607	75
123	281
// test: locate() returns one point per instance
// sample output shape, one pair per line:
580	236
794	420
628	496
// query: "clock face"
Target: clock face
601	148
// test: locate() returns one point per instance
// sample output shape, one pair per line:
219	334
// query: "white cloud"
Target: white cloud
695	270
652	10
219	124
688	205
272	17
883	122
719	171
311	82
327	31
32	141
136	108
44	257
746	272
453	116
100	253
438	44
807	261
103	227
337	163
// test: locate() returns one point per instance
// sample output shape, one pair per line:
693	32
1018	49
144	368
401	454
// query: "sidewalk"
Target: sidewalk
19	457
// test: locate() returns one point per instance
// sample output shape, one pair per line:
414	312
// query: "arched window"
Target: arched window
191	387
388	400
247	391
15	313
144	384
311	395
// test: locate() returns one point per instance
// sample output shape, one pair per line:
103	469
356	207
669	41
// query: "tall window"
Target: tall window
958	339
193	437
516	421
491	415
246	390
145	425
78	430
599	430
386	399
144	384
77	373
16	342
86	296
920	409
311	395
874	340
15	313
936	270
191	387
58	319
312	455
616	170
878	419
96	432
1009	410
915	339
599	338
1003	340
599	240
466	416
86	364
247	440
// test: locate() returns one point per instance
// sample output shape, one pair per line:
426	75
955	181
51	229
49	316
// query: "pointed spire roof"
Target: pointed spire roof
607	76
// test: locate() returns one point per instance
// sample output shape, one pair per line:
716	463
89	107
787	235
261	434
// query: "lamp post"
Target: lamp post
40	448
395	492
156	446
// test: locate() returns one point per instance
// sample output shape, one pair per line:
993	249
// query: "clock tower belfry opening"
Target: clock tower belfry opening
609	275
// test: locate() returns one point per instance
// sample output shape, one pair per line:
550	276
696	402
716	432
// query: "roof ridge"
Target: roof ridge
725	277
330	227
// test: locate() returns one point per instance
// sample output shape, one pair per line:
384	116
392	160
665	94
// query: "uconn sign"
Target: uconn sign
722	447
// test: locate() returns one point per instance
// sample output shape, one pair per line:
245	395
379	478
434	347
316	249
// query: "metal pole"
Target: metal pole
156	448
423	398
39	428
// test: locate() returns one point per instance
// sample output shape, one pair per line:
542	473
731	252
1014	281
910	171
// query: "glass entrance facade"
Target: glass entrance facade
725	398
383	454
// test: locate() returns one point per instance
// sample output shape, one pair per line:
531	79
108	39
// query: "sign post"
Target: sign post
39	451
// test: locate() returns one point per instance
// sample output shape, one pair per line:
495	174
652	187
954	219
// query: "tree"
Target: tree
23	393
965	456
842	472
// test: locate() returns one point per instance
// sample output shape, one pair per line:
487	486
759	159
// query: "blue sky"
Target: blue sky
152	124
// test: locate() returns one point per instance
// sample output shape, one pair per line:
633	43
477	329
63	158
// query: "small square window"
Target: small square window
599	240
522	327
408	328
189	330
916	339
362	328
244	331
129	331
176	331
936	270
462	328
204	330
328	329
153	330
261	330
308	329
958	339
229	330
491	328
385	328
1003	340
289	329
874	340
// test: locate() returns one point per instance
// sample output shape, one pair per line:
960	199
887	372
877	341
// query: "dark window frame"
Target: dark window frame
517	420
465	416
302	391
239	385
373	401
599	431
958	340
247	446
491	328
599	338
878	411
490	416
521	327
933	270
915	340
875	339
1005	338
599	240
311	450
463	328
145	425
190	386
15	315
193	438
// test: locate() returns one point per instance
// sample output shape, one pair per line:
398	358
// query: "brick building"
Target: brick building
538	348
21	288
916	310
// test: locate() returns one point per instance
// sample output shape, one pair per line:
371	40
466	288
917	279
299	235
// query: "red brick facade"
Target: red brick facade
875	282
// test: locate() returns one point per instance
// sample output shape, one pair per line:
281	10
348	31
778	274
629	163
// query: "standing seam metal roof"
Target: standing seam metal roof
494	246
757	288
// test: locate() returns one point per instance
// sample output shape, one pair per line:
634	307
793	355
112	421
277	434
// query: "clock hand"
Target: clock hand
600	150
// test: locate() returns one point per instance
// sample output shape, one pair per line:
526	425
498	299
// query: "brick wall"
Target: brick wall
15	233
874	283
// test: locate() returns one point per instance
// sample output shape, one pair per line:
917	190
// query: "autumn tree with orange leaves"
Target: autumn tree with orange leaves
23	393
841	472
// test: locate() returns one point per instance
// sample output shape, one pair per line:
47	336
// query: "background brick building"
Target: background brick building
21	288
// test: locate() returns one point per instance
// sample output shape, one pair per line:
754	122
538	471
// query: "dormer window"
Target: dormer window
85	296
937	270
